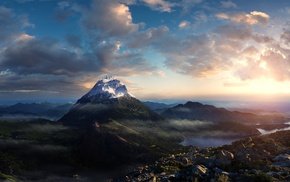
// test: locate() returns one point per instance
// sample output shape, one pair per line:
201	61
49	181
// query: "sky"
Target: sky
54	50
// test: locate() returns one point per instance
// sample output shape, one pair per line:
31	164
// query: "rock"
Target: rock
282	160
224	154
273	174
199	170
282	157
242	156
206	150
248	140
254	171
200	159
184	160
224	159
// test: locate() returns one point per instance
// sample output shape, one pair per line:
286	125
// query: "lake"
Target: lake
203	142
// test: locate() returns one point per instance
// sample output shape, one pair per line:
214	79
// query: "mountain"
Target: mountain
40	109
158	107
108	99
118	128
198	111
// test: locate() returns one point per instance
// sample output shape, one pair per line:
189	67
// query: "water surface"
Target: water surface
203	142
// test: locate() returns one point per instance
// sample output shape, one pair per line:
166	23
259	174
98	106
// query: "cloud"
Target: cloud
74	40
14	86
242	33
271	64
285	36
255	17
33	67
130	64
147	37
64	4
234	32
161	74
24	37
231	48
184	24
189	124
277	64
51	58
199	18
9	24
240	84
106	19
228	4
47	57
25	21
187	5
159	5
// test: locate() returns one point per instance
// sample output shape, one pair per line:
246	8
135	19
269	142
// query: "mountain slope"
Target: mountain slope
119	128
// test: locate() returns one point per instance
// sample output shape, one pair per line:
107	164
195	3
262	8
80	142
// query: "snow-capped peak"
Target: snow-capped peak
108	87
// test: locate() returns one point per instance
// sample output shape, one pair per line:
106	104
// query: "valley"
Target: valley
108	133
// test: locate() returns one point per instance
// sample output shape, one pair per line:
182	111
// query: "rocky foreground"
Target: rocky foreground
262	158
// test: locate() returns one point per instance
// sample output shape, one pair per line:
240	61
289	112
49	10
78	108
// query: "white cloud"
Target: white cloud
159	5
24	37
184	24
255	17
161	74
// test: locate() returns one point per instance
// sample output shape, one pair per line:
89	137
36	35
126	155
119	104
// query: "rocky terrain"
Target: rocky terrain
262	158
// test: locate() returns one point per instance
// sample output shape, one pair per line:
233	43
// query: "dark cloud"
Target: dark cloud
39	86
63	11
62	16
9	24
74	40
47	57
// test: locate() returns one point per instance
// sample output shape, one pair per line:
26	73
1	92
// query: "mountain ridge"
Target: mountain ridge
199	111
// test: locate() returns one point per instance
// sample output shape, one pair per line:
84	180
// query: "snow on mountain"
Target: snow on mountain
108	87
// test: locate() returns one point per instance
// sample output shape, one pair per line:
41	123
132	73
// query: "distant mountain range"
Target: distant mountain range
203	112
